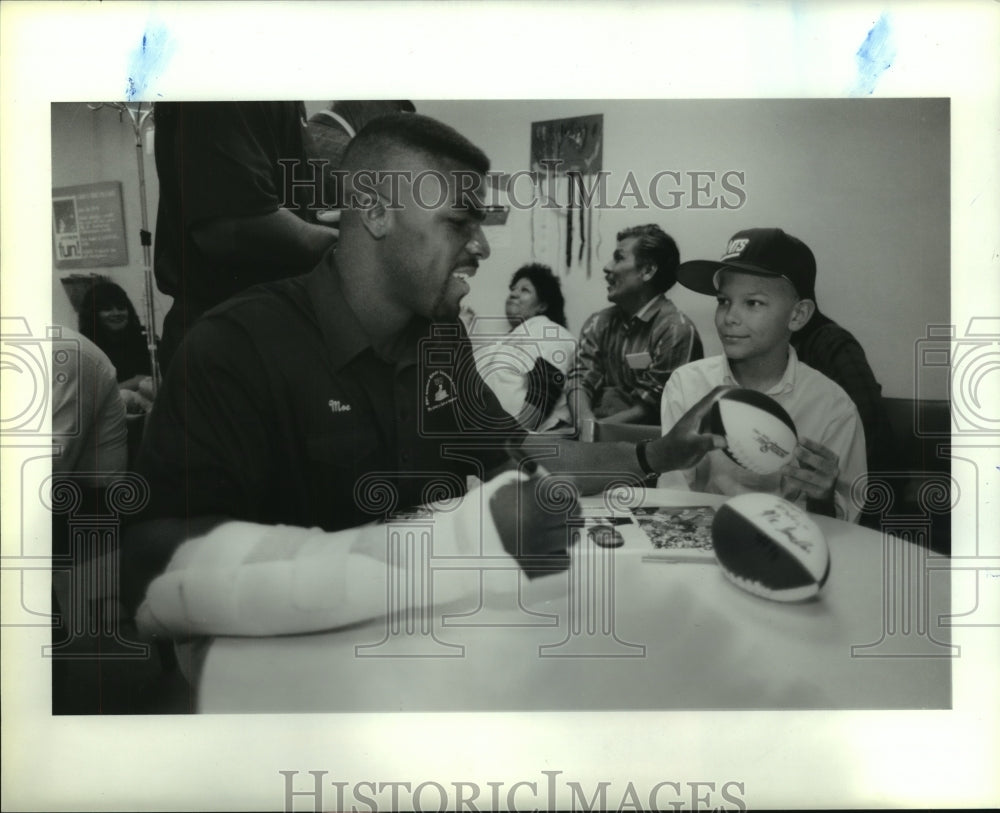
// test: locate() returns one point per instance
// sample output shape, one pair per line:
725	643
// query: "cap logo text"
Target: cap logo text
735	247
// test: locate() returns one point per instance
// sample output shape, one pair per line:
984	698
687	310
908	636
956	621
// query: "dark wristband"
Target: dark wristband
640	453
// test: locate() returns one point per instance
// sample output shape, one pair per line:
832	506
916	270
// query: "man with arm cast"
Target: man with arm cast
312	407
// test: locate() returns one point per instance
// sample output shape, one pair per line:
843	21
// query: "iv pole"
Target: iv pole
139	118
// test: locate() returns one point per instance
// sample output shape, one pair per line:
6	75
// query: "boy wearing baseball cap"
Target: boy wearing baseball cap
764	285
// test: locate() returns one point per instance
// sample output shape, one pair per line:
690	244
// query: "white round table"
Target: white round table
618	632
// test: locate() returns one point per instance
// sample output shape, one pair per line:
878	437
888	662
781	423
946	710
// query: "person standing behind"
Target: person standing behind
236	204
628	351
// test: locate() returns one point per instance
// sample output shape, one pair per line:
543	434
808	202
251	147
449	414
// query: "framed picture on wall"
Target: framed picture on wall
88	226
570	145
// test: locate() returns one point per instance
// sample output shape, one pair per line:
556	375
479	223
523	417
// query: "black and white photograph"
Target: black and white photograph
678	530
311	406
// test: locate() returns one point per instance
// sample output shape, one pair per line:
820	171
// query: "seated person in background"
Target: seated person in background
527	367
108	318
628	351
88	414
306	400
764	286
90	432
826	346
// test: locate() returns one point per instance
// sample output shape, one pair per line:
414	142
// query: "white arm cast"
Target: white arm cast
242	578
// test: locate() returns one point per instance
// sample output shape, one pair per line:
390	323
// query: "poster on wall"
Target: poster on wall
571	145
88	226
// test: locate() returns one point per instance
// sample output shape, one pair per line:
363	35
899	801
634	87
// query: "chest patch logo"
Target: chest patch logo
338	406
439	391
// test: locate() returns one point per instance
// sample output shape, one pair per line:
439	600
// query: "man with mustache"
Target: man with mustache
628	351
313	406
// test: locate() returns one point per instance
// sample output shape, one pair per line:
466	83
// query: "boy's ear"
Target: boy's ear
802	312
374	215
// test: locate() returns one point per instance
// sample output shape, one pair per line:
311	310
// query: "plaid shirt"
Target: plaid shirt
826	346
613	380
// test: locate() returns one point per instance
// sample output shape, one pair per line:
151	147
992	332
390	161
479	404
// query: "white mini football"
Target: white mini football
770	547
760	435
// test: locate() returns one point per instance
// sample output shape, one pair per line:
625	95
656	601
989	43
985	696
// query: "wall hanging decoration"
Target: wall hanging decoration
570	148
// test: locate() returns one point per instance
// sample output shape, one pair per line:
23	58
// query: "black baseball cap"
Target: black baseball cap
764	252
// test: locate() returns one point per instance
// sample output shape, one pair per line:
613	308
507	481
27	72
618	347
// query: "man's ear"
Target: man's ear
648	272
374	215
802	312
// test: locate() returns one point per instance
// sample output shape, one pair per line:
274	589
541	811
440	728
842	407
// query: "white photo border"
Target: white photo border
85	52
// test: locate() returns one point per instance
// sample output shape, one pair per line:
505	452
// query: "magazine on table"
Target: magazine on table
678	534
661	533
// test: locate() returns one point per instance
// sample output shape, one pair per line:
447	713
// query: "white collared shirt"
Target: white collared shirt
821	410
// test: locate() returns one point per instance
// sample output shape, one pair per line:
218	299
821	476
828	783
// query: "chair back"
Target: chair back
919	428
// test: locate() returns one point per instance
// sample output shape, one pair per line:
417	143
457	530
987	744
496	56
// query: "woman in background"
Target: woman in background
109	320
527	367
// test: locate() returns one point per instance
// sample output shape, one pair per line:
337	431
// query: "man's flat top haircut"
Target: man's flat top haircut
655	247
373	146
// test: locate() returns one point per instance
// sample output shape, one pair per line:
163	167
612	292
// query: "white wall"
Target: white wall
865	183
90	146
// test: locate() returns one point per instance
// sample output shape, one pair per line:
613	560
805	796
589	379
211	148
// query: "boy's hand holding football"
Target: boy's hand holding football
813	471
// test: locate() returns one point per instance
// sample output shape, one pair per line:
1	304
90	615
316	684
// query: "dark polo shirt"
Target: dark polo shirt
285	413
